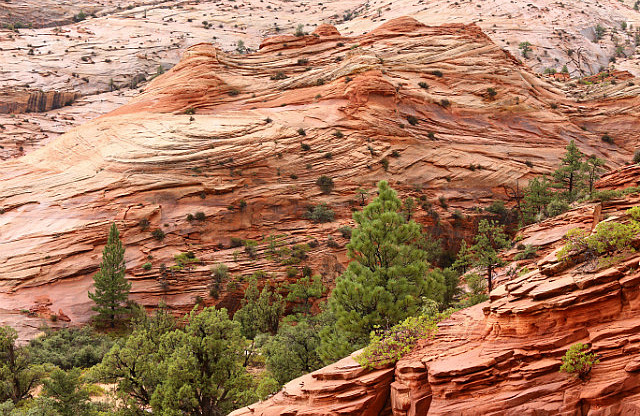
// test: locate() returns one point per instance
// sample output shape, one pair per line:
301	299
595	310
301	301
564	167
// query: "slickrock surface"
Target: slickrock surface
502	357
560	33
121	46
239	159
123	43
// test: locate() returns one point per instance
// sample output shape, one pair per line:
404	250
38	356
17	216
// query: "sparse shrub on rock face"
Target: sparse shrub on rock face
578	361
319	213
387	347
325	183
608	237
158	234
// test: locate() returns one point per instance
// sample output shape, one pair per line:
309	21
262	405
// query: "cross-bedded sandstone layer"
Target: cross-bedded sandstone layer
503	357
243	139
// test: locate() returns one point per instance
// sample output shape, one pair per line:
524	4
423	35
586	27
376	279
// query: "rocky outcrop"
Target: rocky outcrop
502	357
342	388
242	139
15	101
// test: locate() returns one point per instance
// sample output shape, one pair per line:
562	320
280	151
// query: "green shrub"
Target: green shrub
578	361
387	347
413	120
146	266
184	259
423	85
606	138
158	234
305	147
302	132
235	242
497	208
220	272
332	243
345	231
278	76
319	213
200	216
557	206
70	347
528	252
251	248
608	237
437	73
636	156
144	224
292	272
325	183
79	17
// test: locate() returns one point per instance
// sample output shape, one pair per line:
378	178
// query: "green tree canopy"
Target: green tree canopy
304	290
570	175
292	352
386	280
17	374
133	362
260	311
66	389
202	367
489	240
111	287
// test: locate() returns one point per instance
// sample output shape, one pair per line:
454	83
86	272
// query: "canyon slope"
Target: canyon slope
239	142
559	33
502	357
51	58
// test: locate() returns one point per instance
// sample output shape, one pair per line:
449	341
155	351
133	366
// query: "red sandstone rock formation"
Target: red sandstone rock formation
239	159
502	357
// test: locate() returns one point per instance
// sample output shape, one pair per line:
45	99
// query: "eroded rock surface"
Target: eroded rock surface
502	357
226	135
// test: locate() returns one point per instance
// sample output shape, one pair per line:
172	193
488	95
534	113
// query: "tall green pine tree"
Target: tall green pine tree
111	287
386	281
570	175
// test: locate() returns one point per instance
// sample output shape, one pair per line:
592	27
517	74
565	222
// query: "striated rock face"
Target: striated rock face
342	388
15	101
558	34
359	104
503	357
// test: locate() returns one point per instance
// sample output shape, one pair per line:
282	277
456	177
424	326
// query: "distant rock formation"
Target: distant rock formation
26	101
243	139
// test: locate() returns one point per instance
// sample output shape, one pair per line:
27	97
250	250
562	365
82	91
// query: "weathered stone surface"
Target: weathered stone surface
238	160
506	361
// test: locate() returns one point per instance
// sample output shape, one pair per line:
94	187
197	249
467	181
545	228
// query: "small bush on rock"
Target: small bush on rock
578	361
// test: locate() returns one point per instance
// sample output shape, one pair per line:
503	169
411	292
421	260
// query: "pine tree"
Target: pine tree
385	282
537	196
594	168
111	287
303	290
489	240
570	175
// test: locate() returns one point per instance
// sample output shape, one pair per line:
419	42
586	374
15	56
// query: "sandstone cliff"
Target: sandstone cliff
243	140
502	357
